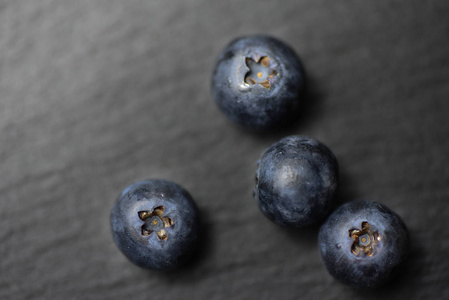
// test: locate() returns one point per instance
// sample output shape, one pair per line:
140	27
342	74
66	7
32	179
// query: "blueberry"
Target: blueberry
362	242
296	181
155	224
258	81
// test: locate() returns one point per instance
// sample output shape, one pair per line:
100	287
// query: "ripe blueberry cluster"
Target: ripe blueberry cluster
258	82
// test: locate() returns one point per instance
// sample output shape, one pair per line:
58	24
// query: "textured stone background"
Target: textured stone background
95	95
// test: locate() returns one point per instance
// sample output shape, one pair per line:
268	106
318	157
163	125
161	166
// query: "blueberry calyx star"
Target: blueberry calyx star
365	240
260	71
154	221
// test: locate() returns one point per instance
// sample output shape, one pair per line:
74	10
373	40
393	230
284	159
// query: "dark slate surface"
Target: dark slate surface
97	94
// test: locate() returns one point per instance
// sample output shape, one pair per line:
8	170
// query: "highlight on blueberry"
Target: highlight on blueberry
296	181
362	243
258	81
155	224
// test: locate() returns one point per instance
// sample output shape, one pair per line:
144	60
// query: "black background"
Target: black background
95	95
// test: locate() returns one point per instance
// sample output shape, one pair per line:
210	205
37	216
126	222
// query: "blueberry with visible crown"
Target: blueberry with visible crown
362	243
155	224
258	81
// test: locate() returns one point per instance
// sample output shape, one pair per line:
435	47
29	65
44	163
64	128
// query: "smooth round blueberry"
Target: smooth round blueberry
362	242
296	181
155	224
258	81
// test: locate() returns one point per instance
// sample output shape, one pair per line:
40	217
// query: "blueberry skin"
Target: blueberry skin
390	249
175	217
296	181
255	105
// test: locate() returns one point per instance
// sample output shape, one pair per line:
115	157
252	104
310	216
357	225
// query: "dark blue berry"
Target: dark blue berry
258	81
155	224
296	181
362	243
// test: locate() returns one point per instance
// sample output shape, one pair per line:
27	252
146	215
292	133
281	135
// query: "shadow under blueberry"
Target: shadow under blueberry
307	236
346	188
307	109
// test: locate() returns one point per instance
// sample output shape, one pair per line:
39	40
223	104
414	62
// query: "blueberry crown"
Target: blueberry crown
155	222
261	71
365	240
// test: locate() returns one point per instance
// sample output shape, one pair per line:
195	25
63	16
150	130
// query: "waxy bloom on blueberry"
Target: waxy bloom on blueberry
296	181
